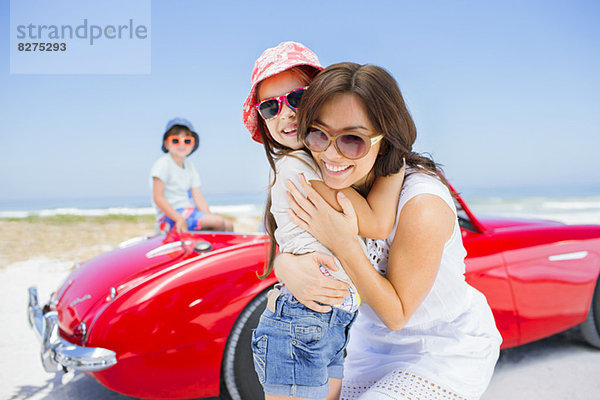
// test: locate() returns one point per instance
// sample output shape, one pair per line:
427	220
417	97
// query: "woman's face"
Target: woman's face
283	127
345	112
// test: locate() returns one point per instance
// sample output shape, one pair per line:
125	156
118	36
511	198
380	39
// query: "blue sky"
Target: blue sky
504	94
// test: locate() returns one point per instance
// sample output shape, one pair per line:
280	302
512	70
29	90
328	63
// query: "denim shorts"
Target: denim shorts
296	350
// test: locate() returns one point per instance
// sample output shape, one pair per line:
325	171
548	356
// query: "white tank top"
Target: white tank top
451	338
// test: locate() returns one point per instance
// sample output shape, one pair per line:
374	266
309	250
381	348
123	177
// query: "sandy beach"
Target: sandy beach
76	239
42	252
65	241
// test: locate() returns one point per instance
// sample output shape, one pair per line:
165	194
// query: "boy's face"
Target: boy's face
183	147
282	128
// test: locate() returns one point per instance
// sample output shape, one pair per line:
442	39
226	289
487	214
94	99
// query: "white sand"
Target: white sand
560	367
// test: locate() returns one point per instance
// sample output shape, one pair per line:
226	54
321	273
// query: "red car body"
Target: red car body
171	310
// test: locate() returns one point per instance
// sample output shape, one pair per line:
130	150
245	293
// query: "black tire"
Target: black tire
590	328
238	378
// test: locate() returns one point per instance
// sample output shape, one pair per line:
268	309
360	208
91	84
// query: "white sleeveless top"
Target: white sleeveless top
451	339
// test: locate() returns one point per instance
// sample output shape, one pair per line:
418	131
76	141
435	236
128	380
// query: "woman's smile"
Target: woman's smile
345	112
335	168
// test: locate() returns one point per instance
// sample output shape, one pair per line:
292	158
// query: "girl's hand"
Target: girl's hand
304	280
334	229
180	224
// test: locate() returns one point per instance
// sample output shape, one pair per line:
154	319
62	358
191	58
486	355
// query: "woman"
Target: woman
423	332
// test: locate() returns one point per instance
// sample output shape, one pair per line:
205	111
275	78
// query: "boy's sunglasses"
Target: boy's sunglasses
351	145
187	141
271	107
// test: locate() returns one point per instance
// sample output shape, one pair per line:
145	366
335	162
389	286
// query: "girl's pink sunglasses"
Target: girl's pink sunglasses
271	107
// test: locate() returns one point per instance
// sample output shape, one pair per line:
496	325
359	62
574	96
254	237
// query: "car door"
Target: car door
486	271
552	276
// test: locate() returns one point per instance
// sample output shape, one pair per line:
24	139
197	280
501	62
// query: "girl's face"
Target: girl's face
282	128
345	112
181	149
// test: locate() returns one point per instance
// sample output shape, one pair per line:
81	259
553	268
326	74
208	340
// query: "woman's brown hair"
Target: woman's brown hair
385	109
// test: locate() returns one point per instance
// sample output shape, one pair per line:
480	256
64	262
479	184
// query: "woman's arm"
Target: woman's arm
302	276
425	224
158	190
199	201
376	214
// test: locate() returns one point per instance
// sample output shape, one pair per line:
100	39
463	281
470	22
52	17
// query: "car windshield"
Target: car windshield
463	219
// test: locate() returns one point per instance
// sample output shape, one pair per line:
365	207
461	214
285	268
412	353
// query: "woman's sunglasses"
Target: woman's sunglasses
350	145
187	141
271	107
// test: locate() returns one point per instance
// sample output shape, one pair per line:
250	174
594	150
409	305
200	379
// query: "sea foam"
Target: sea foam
569	210
232	210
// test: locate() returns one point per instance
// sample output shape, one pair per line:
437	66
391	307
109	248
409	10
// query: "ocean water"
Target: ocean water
569	210
236	204
583	209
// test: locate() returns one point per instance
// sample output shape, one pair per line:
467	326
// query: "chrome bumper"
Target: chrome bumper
56	352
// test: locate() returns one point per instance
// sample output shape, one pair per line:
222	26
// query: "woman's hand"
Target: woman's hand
335	230
303	278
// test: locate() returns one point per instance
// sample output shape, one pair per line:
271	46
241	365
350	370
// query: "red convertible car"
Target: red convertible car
170	317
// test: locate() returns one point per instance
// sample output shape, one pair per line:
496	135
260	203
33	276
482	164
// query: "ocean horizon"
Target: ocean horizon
580	206
234	204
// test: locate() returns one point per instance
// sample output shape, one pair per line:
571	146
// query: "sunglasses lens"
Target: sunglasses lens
293	98
188	142
174	140
351	146
269	108
317	140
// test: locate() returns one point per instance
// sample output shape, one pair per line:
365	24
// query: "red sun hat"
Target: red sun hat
271	62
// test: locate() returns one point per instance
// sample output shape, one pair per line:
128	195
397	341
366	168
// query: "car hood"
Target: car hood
89	286
498	223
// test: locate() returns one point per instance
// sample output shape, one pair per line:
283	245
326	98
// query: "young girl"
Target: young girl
299	352
174	179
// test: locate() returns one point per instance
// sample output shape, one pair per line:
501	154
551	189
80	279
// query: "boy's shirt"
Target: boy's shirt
178	181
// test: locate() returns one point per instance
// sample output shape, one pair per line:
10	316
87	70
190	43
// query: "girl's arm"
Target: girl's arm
199	200
158	195
376	214
424	225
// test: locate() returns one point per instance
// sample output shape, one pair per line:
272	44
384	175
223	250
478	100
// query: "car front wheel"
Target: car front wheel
238	379
590	328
